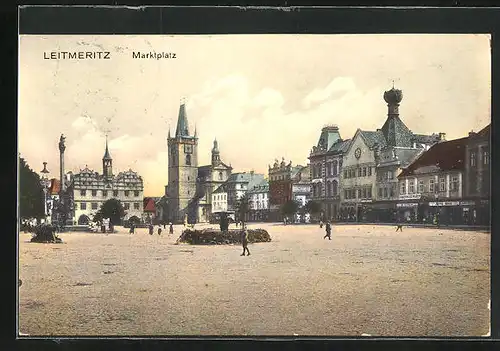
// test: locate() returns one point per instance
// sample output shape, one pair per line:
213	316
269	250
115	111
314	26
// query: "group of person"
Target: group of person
151	228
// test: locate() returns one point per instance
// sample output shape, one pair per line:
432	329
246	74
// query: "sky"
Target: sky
263	97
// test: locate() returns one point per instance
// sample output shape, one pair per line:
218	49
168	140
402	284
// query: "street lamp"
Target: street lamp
45	183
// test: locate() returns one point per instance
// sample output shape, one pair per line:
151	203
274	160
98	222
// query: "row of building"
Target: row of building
386	175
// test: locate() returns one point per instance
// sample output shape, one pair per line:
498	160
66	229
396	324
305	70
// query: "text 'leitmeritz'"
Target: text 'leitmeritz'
77	55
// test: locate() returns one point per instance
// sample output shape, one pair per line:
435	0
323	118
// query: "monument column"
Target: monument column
62	147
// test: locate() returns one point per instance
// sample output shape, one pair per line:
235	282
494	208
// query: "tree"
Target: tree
290	208
243	207
112	209
313	207
31	196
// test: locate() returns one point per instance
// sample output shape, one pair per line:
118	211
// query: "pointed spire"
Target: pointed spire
215	149
182	123
107	156
169	131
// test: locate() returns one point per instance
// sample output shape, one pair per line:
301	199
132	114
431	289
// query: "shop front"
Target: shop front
382	212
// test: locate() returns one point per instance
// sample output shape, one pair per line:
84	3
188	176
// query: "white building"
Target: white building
219	199
89	190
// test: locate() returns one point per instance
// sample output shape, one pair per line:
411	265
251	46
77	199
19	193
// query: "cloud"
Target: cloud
338	86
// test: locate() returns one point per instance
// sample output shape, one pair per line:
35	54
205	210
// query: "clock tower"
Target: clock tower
182	171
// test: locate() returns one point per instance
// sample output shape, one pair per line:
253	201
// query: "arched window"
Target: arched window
188	160
329	188
335	187
335	168
220	175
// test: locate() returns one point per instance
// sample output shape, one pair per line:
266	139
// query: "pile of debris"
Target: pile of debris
216	237
45	233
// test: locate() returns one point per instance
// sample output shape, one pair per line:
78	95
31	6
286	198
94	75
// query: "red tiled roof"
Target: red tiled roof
55	186
149	205
447	155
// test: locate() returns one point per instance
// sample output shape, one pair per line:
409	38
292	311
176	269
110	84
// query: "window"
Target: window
136	193
94	192
136	205
369	193
345	174
391	191
346	194
104	193
359	193
83	206
188	160
364	171
220	175
385	192
364	193
454	184
473	159
486	157
389	175
420	186
442	184
402	189
94	205
431	185
328	168
126	206
83	192
335	187
380	192
127	192
334	168
369	171
329	188
411	187
359	172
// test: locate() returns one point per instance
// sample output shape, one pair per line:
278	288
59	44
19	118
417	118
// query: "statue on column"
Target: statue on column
62	140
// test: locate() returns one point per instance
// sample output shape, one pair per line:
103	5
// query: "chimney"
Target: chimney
471	133
442	136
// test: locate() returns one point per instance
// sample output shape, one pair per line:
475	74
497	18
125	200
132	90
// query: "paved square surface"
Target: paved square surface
367	279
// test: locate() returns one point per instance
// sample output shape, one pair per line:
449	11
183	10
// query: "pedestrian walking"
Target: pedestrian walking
399	227
159	230
150	229
244	241
132	228
328	229
164	225
321	223
171	228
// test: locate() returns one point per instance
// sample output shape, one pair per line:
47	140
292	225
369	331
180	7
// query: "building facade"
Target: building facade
477	176
238	184
280	178
326	161
210	178
259	202
431	188
373	161
89	190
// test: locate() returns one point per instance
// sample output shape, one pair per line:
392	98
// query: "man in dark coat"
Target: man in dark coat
328	229
244	241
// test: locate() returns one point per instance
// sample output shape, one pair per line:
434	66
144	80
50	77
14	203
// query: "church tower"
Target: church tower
107	163
215	154
182	171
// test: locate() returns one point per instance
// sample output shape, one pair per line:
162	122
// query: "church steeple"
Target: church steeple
182	122
215	153
107	162
396	133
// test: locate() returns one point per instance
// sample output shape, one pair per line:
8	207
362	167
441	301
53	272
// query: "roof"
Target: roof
182	123
329	136
255	179
149	204
220	189
400	156
340	146
107	156
396	133
425	139
55	186
260	187
444	156
373	138
483	133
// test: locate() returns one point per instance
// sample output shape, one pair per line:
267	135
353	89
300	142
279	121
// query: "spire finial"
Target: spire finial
393	84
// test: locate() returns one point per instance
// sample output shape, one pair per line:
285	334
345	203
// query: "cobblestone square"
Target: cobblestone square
366	280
